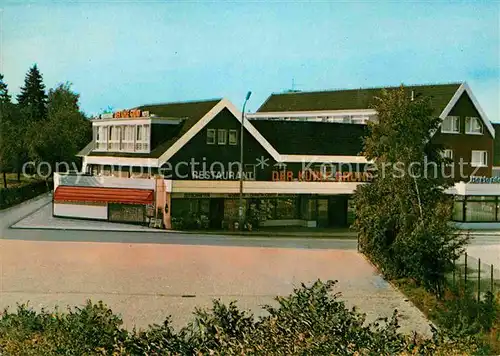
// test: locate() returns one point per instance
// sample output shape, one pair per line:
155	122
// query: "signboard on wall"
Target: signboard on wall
133	113
318	176
484	180
217	175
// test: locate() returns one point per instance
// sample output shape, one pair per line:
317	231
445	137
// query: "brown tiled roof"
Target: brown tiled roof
193	110
352	99
313	138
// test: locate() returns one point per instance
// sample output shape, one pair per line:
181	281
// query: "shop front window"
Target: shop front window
351	212
480	209
458	209
286	208
308	209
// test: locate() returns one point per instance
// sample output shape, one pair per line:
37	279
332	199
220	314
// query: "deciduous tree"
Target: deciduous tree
64	133
403	216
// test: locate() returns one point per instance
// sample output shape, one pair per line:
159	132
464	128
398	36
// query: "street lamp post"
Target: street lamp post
240	210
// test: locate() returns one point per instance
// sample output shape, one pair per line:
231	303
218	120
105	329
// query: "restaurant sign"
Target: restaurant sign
484	180
318	176
133	113
218	175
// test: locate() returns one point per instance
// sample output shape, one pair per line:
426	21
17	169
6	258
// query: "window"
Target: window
473	126
286	208
479	159
233	137
210	137
448	154
142	138
221	137
114	138
451	124
101	137
122	138
128	138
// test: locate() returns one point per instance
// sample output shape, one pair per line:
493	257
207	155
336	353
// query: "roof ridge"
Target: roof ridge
364	88
181	102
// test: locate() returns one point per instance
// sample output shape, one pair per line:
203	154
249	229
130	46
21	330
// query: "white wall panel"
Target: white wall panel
105	181
81	211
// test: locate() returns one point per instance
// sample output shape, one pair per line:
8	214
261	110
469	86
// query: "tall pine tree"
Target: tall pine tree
4	91
8	143
33	99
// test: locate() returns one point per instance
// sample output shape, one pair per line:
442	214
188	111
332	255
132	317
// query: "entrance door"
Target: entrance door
216	213
323	213
337	211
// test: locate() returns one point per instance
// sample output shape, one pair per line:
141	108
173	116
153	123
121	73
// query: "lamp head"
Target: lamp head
249	94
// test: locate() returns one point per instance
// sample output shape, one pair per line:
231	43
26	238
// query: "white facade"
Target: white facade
98	212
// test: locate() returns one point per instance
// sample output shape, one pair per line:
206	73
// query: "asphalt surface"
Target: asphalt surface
146	276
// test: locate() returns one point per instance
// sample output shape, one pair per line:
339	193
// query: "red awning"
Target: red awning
103	195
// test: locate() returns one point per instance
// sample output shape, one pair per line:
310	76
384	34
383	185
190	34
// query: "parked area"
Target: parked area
174	272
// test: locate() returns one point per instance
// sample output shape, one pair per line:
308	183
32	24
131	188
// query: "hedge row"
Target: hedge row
311	321
16	195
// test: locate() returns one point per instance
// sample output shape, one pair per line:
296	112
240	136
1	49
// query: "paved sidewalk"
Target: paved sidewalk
18	212
42	219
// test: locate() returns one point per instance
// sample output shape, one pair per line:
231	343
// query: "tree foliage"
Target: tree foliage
8	131
402	217
310	321
66	130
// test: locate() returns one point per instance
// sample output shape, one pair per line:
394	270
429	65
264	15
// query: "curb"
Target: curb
198	233
399	290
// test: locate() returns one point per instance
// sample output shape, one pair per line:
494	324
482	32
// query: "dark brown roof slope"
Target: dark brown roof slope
352	99
194	110
312	138
191	111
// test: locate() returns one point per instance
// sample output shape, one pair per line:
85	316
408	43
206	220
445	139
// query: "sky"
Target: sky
122	54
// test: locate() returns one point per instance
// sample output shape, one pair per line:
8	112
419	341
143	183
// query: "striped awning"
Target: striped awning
103	195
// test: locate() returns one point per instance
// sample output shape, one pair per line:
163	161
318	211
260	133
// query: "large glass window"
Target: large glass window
458	209
480	208
451	124
308	208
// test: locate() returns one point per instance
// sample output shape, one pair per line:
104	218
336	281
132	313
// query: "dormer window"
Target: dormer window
473	126
451	124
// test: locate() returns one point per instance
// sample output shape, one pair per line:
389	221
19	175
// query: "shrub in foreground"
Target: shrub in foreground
310	321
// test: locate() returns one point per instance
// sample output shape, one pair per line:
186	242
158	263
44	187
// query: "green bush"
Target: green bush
462	314
311	321
16	195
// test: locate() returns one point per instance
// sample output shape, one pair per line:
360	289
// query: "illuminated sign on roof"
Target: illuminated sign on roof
133	113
